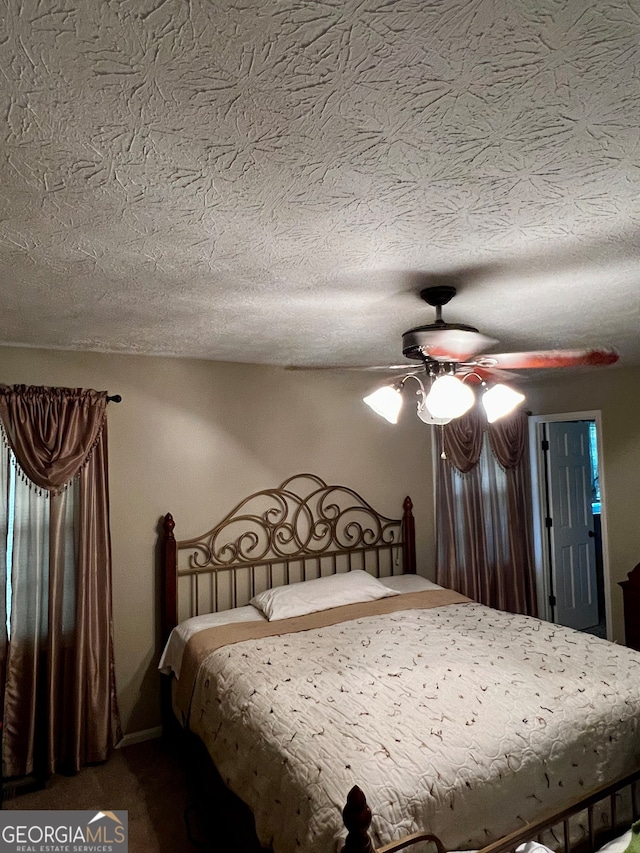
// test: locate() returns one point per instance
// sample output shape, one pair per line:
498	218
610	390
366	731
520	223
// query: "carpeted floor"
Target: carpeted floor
599	630
168	812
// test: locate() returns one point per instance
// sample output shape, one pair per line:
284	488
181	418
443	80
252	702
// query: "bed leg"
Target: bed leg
357	818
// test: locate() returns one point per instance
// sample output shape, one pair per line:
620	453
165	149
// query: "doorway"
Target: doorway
570	539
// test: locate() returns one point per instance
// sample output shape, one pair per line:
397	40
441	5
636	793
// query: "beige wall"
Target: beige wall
194	438
614	392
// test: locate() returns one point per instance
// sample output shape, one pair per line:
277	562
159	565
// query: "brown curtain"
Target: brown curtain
60	708
483	505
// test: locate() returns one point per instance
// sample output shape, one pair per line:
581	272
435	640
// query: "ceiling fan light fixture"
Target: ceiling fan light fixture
427	418
449	398
386	402
499	401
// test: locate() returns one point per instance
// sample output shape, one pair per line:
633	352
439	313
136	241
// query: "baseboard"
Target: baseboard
12	788
139	737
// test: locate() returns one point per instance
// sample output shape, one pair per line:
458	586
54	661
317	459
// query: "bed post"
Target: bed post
408	538
169	569
631	598
168	614
357	818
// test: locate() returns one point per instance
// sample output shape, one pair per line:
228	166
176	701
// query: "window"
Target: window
595	479
27	546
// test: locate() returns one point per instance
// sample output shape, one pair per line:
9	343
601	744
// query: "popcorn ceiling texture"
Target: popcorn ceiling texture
273	181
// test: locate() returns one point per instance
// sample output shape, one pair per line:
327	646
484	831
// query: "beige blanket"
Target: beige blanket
462	720
205	642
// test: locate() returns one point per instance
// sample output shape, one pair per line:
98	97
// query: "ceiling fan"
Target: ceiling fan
459	344
453	357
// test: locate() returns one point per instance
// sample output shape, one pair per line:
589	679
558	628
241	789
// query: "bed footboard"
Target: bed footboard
604	814
357	819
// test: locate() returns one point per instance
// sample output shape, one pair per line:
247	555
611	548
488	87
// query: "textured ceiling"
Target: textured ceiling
273	181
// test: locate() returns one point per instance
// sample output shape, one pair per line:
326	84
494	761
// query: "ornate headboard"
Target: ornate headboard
304	528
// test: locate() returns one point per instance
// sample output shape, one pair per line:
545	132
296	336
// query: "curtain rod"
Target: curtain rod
116	398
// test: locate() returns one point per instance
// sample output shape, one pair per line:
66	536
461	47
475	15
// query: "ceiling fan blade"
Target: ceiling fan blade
362	368
550	358
444	344
477	373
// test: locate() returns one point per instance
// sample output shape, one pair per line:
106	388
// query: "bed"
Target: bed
350	673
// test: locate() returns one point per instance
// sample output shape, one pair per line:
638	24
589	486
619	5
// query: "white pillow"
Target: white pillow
409	583
533	847
304	597
618	845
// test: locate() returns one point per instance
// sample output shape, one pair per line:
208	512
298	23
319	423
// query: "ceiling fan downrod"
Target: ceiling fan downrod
437	296
419	341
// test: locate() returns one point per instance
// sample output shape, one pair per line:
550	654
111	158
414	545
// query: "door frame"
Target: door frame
540	550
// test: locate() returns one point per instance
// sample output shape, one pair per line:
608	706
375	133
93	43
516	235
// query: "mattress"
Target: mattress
460	719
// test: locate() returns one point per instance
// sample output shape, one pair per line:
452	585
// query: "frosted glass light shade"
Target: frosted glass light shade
387	402
499	401
449	398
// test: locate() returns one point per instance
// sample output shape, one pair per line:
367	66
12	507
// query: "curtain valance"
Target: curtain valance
462	439
52	431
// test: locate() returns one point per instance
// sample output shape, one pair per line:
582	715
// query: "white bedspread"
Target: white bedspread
461	720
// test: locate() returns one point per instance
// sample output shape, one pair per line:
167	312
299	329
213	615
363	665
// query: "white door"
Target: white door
573	570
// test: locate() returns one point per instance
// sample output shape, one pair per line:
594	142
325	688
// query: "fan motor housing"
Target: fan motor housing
417	342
